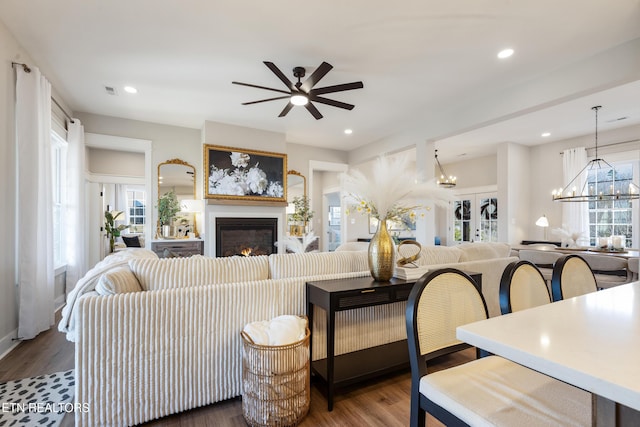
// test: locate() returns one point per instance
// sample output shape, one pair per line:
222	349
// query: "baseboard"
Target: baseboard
7	343
59	302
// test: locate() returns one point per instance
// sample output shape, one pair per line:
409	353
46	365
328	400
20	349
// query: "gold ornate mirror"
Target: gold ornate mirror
296	185
179	177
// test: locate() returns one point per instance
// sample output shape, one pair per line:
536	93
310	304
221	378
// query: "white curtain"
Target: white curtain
35	205
575	215
76	207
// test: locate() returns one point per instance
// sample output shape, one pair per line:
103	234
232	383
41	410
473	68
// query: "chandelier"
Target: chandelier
444	181
610	188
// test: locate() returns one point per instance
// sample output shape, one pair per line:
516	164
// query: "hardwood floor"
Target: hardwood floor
381	402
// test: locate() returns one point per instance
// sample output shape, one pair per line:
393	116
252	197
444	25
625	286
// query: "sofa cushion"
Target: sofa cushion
431	255
483	250
316	263
166	273
118	281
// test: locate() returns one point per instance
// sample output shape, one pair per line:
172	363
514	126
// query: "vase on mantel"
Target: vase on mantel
382	253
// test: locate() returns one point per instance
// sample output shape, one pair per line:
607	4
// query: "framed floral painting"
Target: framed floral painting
239	174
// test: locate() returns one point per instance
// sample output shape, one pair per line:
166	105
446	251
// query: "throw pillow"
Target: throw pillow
131	241
118	281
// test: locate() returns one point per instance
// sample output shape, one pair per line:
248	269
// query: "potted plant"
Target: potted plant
168	207
302	214
113	231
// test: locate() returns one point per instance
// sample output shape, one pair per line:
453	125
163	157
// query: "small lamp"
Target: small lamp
544	223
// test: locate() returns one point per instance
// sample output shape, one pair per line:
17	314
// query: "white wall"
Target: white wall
113	162
513	196
476	172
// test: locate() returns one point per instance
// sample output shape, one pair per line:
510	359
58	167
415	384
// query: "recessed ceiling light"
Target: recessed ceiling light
505	53
348	131
130	89
545	134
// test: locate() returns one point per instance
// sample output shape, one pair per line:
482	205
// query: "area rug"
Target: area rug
37	401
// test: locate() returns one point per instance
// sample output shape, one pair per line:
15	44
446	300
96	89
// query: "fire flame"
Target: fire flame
246	252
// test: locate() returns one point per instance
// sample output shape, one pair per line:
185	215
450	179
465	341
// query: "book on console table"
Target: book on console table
410	273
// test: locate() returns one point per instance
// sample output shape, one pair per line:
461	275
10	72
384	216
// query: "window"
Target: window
58	170
611	217
136	208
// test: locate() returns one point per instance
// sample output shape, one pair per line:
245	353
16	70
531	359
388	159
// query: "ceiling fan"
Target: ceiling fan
303	93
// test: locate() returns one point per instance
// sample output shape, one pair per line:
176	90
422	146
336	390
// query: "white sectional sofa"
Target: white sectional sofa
160	336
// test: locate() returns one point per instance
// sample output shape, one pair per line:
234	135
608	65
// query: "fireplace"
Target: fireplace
245	236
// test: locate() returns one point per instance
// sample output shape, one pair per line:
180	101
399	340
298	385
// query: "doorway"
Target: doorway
332	220
474	218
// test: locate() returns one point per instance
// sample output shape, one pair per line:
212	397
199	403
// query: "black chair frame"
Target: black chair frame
556	286
420	404
505	284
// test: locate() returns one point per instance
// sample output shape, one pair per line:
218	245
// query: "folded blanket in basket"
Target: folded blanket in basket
281	330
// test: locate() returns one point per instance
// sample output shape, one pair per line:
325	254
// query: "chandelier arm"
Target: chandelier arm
566	188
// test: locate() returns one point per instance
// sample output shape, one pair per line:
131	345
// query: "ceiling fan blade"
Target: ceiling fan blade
264	100
313	110
332	102
279	74
315	77
336	88
260	87
286	110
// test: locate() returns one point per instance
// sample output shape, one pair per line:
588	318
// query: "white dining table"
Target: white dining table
591	341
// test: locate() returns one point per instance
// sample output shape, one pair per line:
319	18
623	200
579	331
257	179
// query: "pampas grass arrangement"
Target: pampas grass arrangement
391	191
296	245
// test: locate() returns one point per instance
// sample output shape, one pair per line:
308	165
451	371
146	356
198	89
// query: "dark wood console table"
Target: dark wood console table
348	294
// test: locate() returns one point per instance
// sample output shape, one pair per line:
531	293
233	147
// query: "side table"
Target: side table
348	294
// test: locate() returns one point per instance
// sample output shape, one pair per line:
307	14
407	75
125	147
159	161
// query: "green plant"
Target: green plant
302	211
109	224
168	207
112	230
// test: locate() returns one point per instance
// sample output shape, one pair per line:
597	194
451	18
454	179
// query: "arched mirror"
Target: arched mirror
296	189
176	188
296	185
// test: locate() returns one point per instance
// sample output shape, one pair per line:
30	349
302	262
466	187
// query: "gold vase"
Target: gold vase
382	254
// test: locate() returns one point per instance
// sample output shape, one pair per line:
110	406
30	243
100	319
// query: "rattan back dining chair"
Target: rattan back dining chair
572	277
490	390
522	286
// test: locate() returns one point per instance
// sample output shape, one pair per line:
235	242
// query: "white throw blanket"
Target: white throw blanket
281	330
89	282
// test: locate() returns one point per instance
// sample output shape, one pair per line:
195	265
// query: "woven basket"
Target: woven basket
275	382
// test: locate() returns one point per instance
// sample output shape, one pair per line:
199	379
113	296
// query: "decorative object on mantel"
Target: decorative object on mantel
609	189
168	207
445	181
113	231
301	215
390	193
244	175
301	94
298	245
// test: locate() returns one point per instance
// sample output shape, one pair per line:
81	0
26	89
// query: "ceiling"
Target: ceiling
182	57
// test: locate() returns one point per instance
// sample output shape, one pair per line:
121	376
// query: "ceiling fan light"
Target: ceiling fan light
299	99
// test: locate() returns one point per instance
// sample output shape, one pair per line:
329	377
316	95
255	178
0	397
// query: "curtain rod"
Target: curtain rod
26	69
610	145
